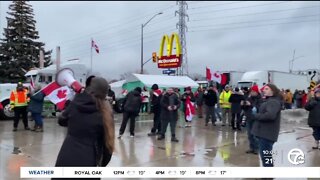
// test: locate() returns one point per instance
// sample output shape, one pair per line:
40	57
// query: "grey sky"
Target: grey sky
225	35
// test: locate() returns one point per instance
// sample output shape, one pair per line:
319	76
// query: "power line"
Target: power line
264	20
113	49
238	8
134	19
251	26
266	12
214	5
122	44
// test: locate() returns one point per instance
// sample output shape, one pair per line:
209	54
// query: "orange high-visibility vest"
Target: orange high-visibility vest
19	98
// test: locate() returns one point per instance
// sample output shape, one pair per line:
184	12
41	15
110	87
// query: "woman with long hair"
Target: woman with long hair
266	124
90	137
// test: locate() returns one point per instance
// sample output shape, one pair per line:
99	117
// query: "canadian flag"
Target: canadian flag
157	92
95	46
190	109
57	94
216	76
124	92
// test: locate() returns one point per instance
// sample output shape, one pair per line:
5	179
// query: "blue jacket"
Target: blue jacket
36	103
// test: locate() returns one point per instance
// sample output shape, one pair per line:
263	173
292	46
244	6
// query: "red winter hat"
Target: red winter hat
255	88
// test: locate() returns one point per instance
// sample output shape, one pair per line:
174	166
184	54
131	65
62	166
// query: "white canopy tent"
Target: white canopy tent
163	81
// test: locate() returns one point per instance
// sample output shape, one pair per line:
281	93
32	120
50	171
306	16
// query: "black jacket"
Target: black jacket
132	102
156	96
267	121
84	143
169	100
235	100
313	106
255	101
210	98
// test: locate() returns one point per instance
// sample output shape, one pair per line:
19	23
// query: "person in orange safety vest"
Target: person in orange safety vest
18	103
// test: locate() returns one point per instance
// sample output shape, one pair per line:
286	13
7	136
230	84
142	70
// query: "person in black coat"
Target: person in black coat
251	106
170	104
132	104
90	138
35	107
235	100
266	126
156	95
313	106
210	99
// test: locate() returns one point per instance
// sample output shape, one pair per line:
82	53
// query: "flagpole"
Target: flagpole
91	55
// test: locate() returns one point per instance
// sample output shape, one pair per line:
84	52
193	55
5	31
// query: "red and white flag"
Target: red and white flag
124	92
95	46
190	109
216	76
57	94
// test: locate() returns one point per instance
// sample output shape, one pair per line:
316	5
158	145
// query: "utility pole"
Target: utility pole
293	59
182	27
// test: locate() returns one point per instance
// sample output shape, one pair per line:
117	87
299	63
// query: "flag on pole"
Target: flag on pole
32	86
216	76
95	46
57	94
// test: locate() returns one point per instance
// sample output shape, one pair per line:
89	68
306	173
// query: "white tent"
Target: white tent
163	81
117	87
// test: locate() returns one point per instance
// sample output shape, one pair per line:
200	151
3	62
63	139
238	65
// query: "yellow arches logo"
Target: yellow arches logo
170	60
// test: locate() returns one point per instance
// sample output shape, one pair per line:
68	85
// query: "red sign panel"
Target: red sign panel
169	62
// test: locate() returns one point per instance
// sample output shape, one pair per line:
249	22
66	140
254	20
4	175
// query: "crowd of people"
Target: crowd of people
91	131
256	109
295	100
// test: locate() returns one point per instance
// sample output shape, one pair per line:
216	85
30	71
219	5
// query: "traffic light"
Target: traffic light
154	57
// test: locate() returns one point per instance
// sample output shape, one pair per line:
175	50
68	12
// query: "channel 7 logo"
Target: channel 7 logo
296	156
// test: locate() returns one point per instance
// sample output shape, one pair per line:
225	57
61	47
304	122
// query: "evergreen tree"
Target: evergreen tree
19	50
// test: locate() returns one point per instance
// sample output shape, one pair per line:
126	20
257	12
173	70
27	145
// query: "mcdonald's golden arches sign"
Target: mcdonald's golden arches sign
170	60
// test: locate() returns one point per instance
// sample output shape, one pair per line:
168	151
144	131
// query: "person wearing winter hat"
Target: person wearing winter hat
313	106
188	100
251	106
132	104
155	96
90	138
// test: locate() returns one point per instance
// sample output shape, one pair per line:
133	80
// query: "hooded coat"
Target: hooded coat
84	143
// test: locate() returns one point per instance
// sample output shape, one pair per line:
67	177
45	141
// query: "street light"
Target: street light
142	26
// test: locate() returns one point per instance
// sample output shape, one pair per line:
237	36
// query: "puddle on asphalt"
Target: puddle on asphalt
16	150
183	154
287	132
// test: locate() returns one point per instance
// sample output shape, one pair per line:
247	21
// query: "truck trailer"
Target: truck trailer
283	80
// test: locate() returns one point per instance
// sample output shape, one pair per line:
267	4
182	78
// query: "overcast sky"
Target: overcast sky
226	35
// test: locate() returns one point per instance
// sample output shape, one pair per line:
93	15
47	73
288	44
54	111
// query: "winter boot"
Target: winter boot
161	137
173	138
316	145
39	129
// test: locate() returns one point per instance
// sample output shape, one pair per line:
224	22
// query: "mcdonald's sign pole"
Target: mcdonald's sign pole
142	26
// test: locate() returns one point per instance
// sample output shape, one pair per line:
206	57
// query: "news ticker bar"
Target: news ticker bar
169	172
